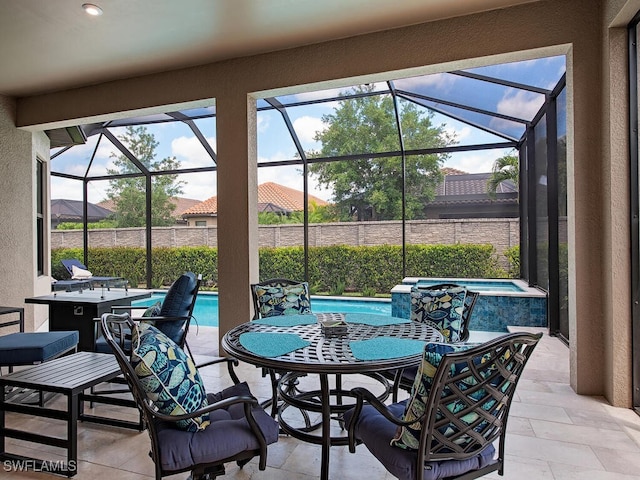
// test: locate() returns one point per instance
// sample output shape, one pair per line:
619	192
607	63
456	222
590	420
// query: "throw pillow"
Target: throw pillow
153	310
168	376
78	273
283	300
409	437
441	309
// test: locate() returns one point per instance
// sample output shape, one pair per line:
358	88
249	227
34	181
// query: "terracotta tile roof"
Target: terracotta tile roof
208	207
285	198
181	204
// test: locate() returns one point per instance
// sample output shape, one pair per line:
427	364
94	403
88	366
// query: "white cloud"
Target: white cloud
306	128
438	81
480	161
262	122
199	186
520	104
190	152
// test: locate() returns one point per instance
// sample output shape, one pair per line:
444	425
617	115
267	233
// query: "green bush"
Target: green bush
513	257
334	269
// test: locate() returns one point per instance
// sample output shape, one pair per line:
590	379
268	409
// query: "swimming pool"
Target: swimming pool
206	309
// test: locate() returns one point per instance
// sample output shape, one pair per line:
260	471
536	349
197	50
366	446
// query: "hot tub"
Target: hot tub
501	302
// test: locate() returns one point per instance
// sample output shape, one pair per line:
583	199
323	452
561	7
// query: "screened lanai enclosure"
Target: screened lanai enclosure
413	154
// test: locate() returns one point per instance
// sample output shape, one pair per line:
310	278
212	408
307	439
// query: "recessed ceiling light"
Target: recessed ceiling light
92	9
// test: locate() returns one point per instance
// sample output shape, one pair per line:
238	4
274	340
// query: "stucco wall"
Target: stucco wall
17	198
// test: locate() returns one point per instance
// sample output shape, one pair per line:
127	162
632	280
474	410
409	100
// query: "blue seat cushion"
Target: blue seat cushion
227	435
26	348
376	432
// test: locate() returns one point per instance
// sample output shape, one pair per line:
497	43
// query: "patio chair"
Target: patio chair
459	406
190	429
172	316
78	271
446	306
275	297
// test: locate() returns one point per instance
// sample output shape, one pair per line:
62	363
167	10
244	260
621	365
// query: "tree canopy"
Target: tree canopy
504	168
128	194
370	187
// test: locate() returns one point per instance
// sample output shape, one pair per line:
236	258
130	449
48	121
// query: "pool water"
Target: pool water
206	309
477	285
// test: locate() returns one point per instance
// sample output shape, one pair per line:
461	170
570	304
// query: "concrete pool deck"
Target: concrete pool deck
553	433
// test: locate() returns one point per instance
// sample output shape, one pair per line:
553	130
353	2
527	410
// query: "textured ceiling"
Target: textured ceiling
50	45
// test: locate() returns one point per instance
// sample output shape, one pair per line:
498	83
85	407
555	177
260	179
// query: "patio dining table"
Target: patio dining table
298	344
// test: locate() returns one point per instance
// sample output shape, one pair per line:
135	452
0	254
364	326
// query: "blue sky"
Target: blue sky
274	143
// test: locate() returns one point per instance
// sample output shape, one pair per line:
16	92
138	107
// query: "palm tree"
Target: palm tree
504	168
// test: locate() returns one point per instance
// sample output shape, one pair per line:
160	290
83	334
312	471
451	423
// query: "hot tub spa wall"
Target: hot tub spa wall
493	311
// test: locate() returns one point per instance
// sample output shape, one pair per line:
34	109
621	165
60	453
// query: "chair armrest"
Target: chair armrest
363	395
231	362
248	400
8	323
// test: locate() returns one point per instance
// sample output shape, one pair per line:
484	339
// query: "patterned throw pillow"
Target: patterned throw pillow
409	437
153	310
283	300
441	309
168	375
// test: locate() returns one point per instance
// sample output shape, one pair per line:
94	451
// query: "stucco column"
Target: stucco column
237	207
587	329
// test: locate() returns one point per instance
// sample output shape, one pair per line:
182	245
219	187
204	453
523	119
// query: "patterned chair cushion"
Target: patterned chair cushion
440	308
409	437
283	300
168	375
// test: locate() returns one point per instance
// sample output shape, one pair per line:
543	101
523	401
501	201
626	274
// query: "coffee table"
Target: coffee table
69	376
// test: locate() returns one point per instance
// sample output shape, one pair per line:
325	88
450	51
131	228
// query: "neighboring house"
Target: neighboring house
272	197
181	204
465	195
64	210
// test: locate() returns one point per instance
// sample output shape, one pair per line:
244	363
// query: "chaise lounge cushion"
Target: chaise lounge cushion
26	348
227	435
168	376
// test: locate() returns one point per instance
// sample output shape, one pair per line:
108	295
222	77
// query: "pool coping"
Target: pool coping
528	291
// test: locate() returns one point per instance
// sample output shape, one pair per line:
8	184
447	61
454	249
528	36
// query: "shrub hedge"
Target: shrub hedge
331	269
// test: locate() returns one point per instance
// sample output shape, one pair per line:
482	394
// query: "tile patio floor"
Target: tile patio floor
554	434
